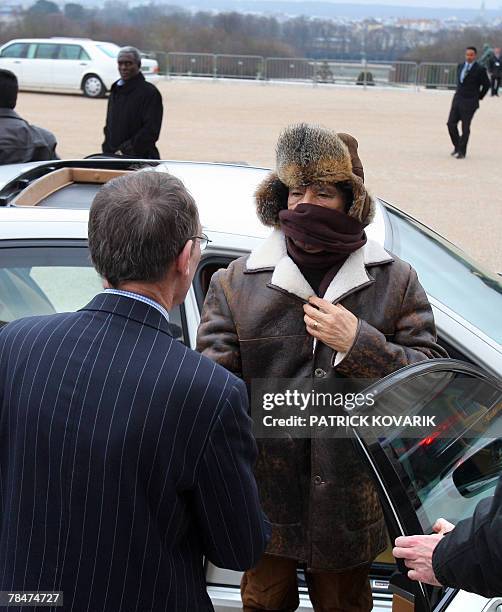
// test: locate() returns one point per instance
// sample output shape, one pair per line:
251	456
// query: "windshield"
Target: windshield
448	275
47	279
109	49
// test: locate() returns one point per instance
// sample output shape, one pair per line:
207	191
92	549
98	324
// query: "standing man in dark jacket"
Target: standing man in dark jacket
135	110
125	457
472	86
19	140
495	68
468	556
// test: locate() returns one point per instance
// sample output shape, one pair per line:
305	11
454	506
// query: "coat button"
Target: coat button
319	373
317	480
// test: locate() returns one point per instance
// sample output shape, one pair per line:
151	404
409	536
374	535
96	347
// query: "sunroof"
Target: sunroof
75	195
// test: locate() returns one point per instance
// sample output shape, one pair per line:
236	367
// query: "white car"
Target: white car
45	268
66	64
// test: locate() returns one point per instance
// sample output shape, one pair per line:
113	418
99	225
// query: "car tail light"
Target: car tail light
445	426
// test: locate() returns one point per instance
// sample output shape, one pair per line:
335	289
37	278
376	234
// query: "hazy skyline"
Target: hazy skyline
463	4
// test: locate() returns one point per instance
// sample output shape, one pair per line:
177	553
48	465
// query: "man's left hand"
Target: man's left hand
417	554
332	324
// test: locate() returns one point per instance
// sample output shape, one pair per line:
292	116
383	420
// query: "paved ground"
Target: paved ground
402	134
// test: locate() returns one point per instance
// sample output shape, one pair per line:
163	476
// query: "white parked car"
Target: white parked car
45	268
66	64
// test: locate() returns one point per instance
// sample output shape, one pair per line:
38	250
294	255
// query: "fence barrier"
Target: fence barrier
316	71
239	66
289	69
433	75
191	64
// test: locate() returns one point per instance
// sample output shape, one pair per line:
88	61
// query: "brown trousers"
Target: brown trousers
272	585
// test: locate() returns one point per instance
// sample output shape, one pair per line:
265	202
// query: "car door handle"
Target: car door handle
83	63
17	62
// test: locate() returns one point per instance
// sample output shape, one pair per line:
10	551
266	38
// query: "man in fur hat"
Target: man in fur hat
316	300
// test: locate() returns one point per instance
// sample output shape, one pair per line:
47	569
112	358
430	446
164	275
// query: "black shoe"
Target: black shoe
454	153
460	155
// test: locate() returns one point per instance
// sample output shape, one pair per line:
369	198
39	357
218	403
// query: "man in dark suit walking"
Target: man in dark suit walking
495	68
125	457
472	86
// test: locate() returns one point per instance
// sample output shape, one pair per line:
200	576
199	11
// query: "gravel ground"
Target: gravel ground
403	142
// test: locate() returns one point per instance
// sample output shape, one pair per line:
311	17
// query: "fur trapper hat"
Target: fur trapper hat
307	154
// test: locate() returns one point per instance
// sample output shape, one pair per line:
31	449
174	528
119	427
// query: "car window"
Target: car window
46	51
446	471
207	267
42	280
109	50
15	50
31	50
72	52
447	275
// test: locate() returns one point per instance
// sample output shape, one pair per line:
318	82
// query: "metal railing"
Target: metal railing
318	71
239	66
367	73
435	75
191	64
290	69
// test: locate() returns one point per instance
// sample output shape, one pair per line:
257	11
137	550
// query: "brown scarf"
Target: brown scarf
337	234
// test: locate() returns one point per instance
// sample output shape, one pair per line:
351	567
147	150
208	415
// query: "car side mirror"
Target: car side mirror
480	471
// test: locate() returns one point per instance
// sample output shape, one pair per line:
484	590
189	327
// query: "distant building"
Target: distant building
421	25
481	18
10	12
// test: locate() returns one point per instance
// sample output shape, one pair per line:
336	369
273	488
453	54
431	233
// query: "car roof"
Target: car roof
224	194
56	39
225	197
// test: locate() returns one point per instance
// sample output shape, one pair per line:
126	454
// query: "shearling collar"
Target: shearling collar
272	255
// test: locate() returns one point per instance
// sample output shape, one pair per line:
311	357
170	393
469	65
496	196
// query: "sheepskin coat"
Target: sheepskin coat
317	493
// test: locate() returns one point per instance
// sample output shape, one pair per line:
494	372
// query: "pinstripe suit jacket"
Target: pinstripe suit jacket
124	458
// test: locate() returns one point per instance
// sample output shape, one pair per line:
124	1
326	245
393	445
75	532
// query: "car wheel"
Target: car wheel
93	86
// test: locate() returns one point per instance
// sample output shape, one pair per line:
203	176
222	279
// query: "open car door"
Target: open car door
442	472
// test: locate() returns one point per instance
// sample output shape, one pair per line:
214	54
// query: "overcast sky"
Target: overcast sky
469	4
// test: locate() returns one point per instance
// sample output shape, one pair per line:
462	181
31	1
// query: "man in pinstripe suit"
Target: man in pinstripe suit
124	456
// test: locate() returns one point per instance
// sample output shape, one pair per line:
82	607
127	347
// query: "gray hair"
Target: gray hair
138	225
132	51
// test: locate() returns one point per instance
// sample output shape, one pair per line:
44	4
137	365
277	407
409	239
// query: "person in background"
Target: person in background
135	110
19	140
495	68
472	85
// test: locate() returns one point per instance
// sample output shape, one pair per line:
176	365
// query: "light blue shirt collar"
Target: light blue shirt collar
140	298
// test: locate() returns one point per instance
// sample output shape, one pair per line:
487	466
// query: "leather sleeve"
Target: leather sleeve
373	355
217	337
